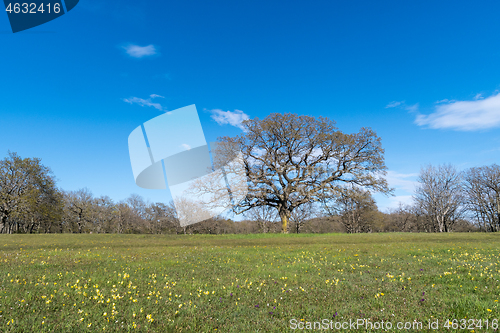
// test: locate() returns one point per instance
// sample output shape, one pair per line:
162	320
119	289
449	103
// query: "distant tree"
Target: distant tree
138	205
355	206
78	209
47	216
439	196
377	221
138	220
323	224
300	215
103	212
482	189
29	198
162	218
402	218
292	160
189	212
249	227
124	218
264	216
226	226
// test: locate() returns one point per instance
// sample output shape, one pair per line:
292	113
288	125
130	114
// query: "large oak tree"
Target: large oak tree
291	160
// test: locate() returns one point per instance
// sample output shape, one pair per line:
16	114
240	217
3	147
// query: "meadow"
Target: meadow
249	283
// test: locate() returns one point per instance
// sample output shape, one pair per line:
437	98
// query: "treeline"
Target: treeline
445	200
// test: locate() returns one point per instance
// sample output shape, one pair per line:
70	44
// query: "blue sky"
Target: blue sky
424	75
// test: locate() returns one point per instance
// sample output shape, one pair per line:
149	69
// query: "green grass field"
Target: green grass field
248	283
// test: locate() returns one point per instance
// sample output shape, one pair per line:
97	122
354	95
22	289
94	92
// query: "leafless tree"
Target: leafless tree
482	188
78	209
439	196
124	217
103	212
402	218
302	214
189	212
291	160
138	221
353	205
264	215
162	218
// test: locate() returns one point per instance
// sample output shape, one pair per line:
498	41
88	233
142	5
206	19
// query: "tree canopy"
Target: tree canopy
28	195
293	160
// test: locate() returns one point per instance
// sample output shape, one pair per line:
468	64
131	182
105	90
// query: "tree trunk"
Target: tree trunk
262	225
496	226
31	228
3	222
284	222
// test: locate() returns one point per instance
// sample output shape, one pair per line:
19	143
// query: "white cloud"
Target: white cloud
393	104
227	117
402	104
144	102
404	186
400	181
186	146
446	100
464	115
412	108
137	51
156	96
